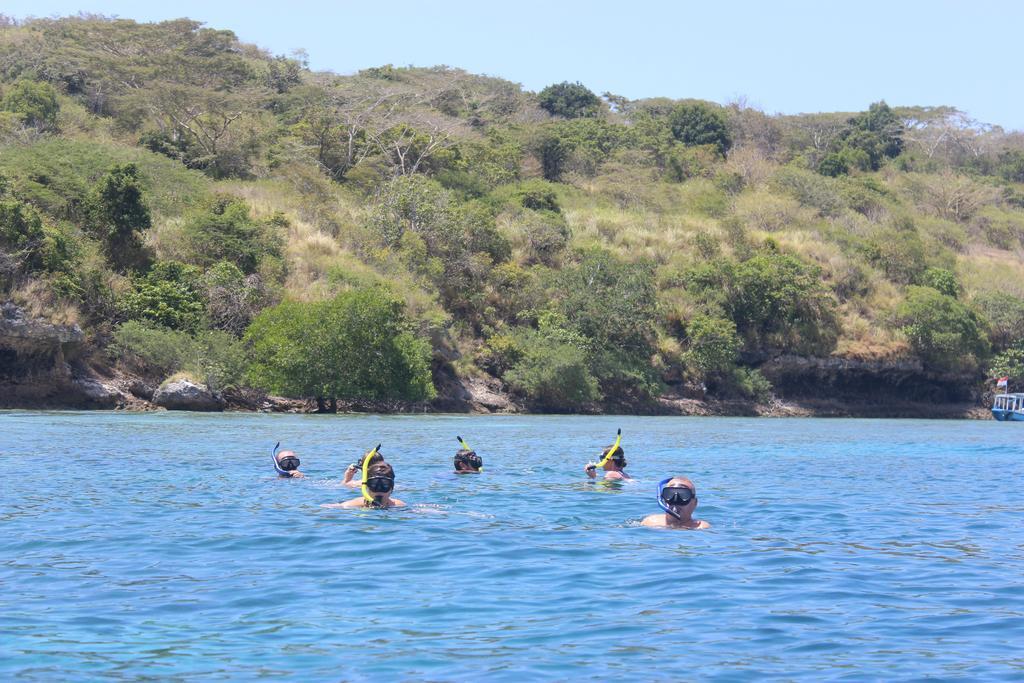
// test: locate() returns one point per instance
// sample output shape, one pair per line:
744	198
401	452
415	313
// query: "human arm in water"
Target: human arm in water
349	479
361	503
591	470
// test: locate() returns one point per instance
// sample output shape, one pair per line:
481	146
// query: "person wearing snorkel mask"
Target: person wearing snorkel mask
286	463
350	480
613	461
677	496
468	462
380	482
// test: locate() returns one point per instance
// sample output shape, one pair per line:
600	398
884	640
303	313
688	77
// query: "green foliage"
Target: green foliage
537	195
569	100
553	375
1009	363
547	235
941	280
223	230
1011	165
700	123
233	298
611	303
1005	316
900	254
943	332
56	175
712	344
117	216
357	345
28	245
215	358
775	301
35	102
170	295
876	133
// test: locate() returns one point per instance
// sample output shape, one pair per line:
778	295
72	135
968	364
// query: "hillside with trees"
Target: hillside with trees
176	202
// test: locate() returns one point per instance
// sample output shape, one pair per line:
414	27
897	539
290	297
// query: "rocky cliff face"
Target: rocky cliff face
848	379
40	366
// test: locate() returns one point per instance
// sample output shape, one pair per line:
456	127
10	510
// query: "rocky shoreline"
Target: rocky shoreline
46	366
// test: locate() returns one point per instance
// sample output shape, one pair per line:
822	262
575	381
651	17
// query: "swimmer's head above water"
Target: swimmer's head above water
466	459
677	496
286	463
612	461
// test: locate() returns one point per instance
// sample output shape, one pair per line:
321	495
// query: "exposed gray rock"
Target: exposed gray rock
185	395
96	394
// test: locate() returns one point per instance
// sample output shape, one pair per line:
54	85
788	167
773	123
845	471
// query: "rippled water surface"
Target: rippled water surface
161	545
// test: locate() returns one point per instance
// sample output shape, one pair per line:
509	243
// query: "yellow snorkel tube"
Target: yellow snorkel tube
366	474
465	446
611	451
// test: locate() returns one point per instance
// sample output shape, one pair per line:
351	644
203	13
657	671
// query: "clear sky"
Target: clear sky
783	56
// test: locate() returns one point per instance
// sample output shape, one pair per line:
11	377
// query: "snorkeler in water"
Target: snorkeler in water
377	484
286	464
677	496
613	462
466	459
350	479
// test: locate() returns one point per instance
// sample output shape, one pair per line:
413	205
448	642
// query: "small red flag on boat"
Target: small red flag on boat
1001	382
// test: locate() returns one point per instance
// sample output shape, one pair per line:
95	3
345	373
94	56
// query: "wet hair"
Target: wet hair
381	469
618	457
468	458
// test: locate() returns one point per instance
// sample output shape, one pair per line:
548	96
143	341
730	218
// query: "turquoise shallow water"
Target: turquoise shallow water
161	545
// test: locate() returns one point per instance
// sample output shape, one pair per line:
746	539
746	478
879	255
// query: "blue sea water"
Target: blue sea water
162	546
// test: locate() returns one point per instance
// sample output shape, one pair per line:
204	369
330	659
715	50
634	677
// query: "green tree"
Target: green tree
878	133
699	123
943	332
1005	315
224	230
775	300
611	303
712	344
118	217
170	294
553	375
569	100
34	101
942	280
358	345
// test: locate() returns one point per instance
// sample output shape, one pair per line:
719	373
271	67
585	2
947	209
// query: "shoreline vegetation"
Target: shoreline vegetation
189	221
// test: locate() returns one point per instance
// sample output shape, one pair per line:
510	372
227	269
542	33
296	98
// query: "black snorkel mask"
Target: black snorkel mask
470	460
674	496
286	465
380	484
467	456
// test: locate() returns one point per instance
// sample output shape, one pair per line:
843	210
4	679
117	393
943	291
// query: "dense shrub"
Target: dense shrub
1005	316
224	230
171	295
943	332
215	358
34	102
775	300
700	123
357	345
553	375
117	216
712	344
569	100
